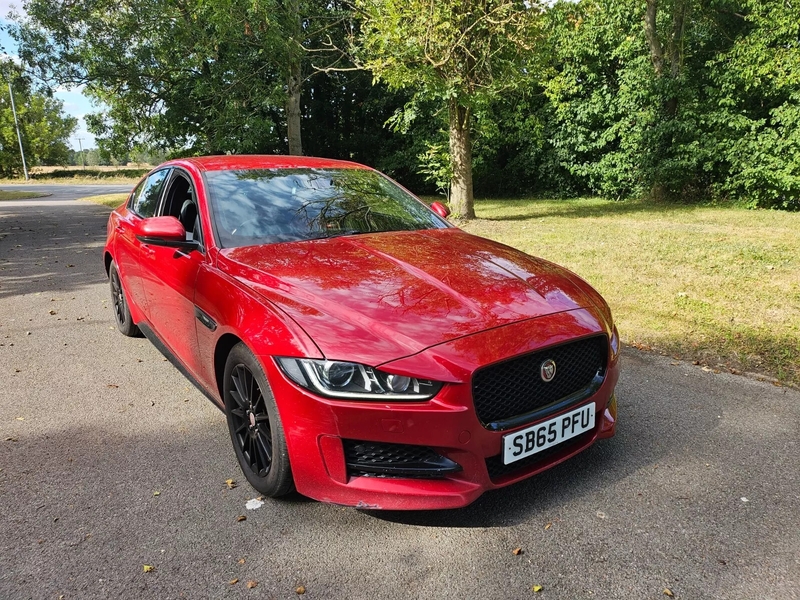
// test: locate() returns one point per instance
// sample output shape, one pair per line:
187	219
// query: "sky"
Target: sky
75	103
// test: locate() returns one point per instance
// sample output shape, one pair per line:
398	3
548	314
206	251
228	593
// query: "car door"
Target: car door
142	204
169	275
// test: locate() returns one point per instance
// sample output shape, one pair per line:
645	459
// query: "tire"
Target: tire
122	313
255	426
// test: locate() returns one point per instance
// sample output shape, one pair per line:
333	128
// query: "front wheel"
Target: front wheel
255	426
122	313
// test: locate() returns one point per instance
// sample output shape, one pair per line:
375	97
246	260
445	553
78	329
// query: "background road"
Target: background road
110	460
66	193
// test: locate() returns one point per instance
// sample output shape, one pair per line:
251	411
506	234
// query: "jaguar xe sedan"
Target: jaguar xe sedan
364	350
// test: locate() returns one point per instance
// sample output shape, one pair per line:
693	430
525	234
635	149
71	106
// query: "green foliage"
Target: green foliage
759	102
674	99
44	127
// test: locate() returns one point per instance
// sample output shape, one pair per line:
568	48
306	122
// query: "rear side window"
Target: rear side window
146	197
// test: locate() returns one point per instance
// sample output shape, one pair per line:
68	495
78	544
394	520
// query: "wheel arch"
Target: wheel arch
225	344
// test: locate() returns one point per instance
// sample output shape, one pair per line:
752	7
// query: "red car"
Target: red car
365	351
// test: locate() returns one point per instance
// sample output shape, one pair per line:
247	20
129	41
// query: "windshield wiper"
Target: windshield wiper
340	233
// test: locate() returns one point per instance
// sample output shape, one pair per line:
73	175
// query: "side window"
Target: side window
180	202
135	194
146	198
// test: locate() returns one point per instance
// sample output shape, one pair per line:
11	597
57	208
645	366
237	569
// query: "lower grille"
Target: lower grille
382	459
513	390
497	469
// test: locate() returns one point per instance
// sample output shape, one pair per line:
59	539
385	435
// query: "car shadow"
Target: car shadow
50	248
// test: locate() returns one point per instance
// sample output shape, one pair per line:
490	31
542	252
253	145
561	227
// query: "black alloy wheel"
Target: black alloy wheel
122	314
255	426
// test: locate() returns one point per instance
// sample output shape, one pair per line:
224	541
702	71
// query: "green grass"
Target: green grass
716	285
110	200
6	195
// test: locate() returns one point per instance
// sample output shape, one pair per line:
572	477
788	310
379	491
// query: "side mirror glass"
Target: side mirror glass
440	209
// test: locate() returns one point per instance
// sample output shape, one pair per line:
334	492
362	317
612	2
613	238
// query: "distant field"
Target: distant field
716	285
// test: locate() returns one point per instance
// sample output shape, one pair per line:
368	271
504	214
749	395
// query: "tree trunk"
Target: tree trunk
293	107
295	79
651	33
461	198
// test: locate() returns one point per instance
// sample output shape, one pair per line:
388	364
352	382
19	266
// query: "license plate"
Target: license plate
541	436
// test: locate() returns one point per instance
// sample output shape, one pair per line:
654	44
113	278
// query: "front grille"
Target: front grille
497	469
514	388
382	459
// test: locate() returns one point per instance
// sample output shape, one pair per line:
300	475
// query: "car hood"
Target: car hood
378	297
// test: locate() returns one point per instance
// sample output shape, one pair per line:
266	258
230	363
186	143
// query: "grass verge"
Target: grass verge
15	195
110	200
717	285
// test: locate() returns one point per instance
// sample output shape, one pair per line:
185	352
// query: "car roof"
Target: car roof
265	161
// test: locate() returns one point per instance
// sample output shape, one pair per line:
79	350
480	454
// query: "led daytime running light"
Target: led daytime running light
340	379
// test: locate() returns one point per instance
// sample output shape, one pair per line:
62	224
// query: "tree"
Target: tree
208	76
463	53
44	126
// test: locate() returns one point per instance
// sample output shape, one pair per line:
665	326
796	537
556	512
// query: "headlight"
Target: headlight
339	379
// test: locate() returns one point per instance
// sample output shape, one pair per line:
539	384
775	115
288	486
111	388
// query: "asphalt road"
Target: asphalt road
110	460
65	193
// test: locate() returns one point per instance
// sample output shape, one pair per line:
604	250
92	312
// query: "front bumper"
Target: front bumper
318	429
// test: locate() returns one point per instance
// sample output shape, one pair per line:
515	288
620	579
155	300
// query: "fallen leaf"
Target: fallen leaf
156	493
112	385
251	584
241	518
147	568
11	439
230	483
20	418
52	312
516	551
241	561
537	588
233	581
548	526
300	589
668	592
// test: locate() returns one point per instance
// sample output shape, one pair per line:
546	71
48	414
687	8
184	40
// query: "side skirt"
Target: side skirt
162	347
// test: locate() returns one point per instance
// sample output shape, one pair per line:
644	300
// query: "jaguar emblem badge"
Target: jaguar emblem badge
548	370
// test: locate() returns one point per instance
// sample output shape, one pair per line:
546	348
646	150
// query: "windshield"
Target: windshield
264	206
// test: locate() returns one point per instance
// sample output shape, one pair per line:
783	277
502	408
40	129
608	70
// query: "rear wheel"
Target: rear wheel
122	314
254	424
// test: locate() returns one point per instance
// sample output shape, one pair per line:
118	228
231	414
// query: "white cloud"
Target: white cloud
13	57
